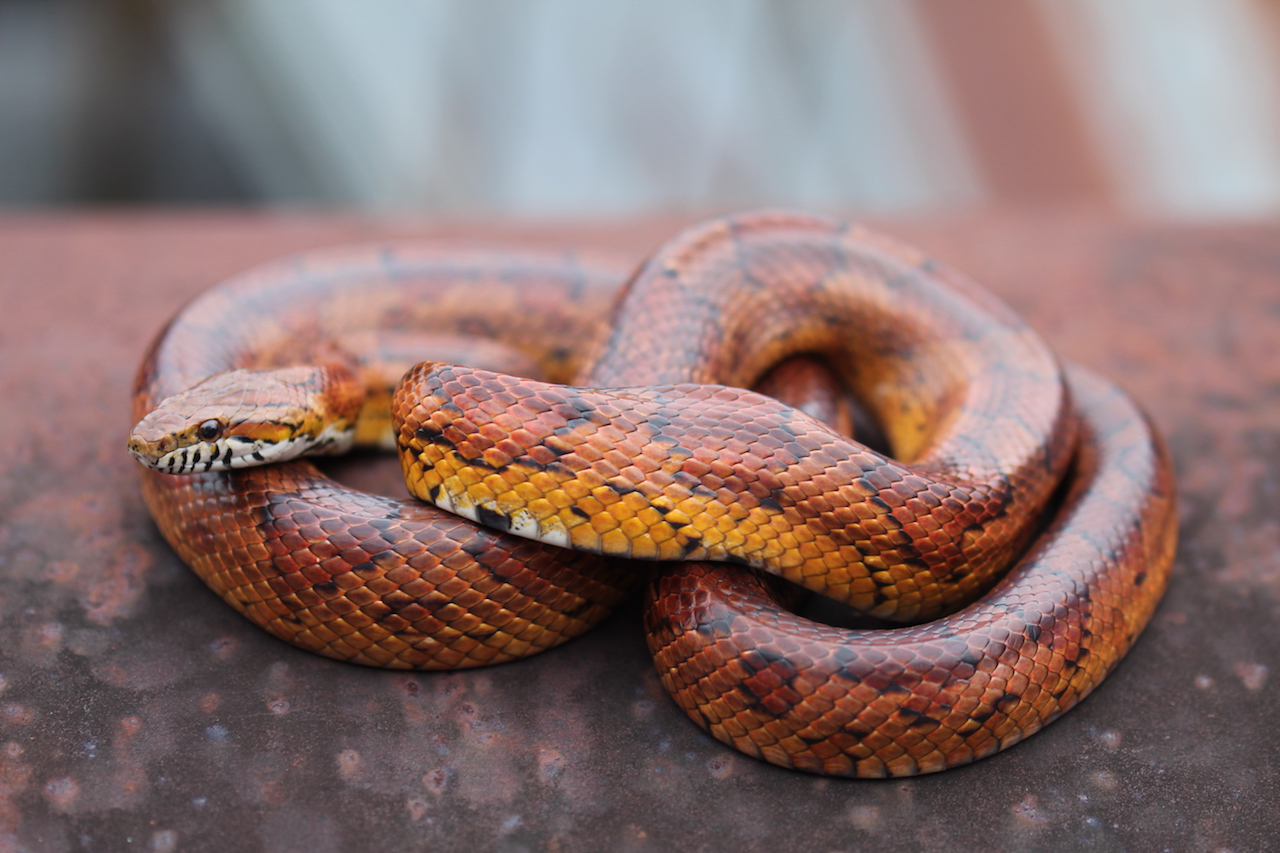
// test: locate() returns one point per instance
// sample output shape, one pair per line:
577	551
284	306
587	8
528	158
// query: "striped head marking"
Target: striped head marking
250	417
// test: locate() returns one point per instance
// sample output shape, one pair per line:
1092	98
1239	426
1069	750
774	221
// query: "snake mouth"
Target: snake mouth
222	455
241	451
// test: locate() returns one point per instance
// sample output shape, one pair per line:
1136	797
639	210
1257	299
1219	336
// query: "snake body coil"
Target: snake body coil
655	464
354	576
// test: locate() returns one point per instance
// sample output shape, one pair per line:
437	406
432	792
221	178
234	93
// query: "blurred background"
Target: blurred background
582	108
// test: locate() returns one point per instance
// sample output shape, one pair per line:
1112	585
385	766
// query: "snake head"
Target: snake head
247	417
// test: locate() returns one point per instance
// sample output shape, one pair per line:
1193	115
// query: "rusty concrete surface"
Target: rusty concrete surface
137	712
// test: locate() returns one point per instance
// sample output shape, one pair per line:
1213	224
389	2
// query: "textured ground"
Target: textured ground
137	712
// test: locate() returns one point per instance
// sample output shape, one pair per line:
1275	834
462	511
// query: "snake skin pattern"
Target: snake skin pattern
874	703
666	466
354	576
673	471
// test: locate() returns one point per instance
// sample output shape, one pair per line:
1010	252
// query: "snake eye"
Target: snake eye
209	430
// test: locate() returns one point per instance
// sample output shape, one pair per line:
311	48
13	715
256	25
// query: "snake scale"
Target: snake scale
1020	534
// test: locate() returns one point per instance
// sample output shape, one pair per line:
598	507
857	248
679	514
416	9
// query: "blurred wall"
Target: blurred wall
580	108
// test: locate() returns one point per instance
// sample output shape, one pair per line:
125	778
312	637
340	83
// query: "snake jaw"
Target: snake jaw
188	459
241	451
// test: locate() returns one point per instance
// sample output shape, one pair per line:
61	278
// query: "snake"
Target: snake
567	442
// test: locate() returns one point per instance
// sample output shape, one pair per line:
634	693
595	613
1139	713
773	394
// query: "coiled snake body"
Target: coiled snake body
644	461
